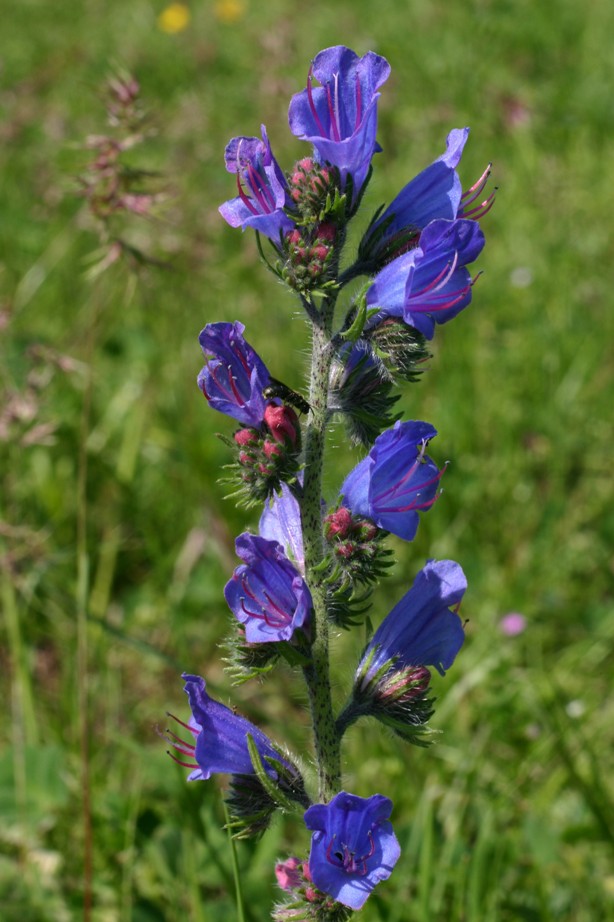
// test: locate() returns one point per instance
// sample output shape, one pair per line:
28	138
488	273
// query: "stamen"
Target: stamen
245	198
260	190
332	115
181	722
480	210
358	103
179	762
314	111
477	187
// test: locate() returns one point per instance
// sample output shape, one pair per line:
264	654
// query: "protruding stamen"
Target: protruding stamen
471	194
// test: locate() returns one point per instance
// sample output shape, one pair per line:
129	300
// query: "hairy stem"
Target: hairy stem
317	672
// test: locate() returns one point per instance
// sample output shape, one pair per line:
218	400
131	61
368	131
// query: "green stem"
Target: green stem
317	675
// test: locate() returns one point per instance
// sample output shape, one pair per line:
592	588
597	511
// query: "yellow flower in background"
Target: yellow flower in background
174	18
229	10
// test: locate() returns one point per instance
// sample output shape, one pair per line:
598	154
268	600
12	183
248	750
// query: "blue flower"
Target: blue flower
353	846
281	521
340	117
395	480
434	193
221	738
267	594
263	191
429	284
235	376
421	629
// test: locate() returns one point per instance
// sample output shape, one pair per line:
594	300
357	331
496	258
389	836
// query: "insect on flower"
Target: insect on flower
279	389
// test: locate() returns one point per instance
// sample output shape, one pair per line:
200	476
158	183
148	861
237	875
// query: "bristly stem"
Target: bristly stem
317	672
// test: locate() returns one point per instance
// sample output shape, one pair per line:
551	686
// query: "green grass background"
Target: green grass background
511	815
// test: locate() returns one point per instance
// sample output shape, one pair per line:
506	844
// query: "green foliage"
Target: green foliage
107	447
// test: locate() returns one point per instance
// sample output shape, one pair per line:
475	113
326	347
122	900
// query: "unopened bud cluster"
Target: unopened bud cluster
268	456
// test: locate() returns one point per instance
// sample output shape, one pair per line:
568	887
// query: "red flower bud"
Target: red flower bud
245	437
326	231
288	873
271	449
339	523
283	423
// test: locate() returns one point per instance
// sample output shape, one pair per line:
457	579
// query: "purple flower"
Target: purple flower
263	191
395	479
340	117
430	283
434	193
267	593
235	376
221	738
353	846
421	629
281	521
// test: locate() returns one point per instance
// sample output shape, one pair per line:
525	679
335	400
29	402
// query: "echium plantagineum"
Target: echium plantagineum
313	561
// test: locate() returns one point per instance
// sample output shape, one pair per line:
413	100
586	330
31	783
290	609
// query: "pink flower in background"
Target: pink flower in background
512	624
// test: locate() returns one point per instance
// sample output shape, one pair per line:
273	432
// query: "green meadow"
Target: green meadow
115	538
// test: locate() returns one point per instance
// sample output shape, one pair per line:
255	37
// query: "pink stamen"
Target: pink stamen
314	111
181	722
358	103
245	198
260	190
179	761
480	210
410	472
477	187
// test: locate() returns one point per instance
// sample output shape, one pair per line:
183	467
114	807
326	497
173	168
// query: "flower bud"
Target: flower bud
244	437
283	424
288	873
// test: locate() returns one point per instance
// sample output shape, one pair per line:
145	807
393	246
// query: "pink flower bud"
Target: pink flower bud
326	231
339	523
271	449
320	252
288	873
245	437
283	423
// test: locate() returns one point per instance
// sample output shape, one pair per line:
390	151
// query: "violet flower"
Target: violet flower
434	193
421	629
263	191
353	846
429	284
267	594
340	117
395	480
281	521
221	738
235	376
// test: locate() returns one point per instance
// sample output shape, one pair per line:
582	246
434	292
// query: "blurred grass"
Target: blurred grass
510	815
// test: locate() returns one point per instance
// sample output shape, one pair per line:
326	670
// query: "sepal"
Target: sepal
246	660
360	391
253	799
265	457
346	608
401	349
305	903
397	697
315	190
378	246
356	548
